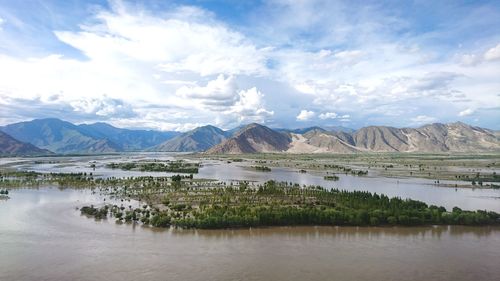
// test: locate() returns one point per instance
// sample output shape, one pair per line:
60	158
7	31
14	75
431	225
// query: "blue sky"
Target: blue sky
176	65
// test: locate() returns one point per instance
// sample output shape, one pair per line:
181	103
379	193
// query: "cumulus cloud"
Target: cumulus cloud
187	39
250	107
219	92
222	95
493	53
164	67
145	59
104	106
466	112
305	115
328	115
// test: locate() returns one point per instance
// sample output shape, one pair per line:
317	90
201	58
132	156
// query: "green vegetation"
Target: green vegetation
346	170
171	167
186	205
101	213
4	194
32	179
262	168
331	177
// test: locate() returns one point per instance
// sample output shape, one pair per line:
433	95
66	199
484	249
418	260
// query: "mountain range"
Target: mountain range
9	146
64	137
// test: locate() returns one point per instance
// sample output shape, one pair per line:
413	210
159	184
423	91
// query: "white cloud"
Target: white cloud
328	115
470	60
103	106
183	65
305	115
154	63
350	55
2	21
333	115
422	119
493	53
219	92
186	40
466	112
223	95
250	107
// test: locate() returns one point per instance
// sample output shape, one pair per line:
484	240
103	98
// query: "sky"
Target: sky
177	65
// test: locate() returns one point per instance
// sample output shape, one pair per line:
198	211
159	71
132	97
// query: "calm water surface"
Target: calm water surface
43	237
419	189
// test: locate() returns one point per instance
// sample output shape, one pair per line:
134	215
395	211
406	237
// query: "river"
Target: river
43	237
415	188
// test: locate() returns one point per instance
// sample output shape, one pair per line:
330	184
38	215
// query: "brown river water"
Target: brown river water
43	237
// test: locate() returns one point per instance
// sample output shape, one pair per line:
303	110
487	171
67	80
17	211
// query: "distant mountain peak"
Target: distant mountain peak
198	139
254	138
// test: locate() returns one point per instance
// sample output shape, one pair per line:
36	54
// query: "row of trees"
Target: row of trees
282	203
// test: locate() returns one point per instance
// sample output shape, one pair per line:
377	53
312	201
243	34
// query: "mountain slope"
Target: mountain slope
58	136
453	137
380	139
254	138
317	141
199	139
9	146
127	140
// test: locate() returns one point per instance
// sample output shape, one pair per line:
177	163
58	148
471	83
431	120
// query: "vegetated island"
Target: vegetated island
331	177
262	168
282	204
179	201
171	167
4	194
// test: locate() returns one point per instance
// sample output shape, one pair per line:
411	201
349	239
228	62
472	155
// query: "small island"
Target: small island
4	194
184	205
171	167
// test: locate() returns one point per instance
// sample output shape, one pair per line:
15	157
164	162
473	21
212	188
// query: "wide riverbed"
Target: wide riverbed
43	237
419	189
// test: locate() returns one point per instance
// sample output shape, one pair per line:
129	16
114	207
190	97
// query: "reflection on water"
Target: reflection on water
308	232
43	237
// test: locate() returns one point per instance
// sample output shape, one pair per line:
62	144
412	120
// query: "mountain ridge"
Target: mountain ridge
198	139
64	137
10	146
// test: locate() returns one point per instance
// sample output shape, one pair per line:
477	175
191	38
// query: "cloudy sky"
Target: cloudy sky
175	65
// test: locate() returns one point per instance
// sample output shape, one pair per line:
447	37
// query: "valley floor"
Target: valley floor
471	170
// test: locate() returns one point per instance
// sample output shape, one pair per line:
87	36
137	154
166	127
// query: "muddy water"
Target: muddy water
43	237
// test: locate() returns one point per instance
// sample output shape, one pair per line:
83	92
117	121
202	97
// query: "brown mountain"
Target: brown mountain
453	137
254	138
199	139
9	146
